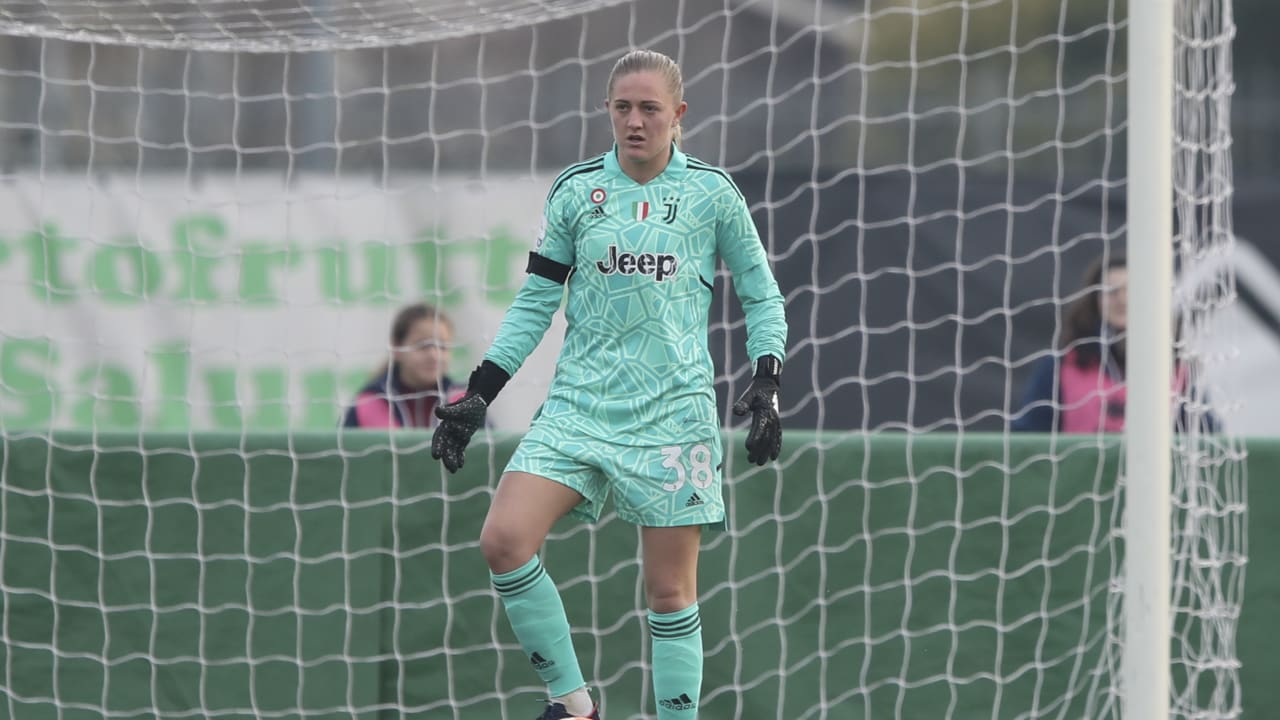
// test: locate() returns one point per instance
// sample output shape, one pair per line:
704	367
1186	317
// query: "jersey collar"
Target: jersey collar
675	168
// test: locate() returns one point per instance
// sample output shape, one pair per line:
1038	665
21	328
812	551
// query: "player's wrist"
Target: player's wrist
770	367
487	380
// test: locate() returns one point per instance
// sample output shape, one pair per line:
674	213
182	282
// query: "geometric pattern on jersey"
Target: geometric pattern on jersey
634	367
652	486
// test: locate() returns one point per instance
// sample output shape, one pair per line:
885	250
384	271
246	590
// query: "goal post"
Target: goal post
1145	673
213	210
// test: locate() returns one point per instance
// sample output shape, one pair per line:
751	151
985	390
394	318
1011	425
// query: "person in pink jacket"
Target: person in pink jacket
404	392
1081	388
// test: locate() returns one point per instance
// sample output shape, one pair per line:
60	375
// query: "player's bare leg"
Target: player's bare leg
671	566
523	510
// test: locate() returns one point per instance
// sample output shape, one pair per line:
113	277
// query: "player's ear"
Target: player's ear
679	112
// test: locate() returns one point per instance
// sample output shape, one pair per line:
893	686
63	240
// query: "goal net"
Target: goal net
213	211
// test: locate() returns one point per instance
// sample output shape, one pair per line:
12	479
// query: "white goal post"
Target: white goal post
212	211
1145	664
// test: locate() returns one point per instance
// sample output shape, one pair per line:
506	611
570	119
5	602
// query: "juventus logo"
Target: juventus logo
672	204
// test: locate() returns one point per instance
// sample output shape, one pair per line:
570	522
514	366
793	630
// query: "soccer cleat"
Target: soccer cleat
556	711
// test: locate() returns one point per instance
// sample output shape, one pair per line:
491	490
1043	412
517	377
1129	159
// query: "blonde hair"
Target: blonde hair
652	61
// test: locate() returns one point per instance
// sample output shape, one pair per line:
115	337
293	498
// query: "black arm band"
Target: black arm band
544	266
487	380
770	367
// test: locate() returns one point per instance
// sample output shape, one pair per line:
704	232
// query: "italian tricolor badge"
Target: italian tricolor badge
640	210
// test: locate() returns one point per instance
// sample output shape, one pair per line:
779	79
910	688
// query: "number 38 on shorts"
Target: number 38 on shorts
694	466
652	485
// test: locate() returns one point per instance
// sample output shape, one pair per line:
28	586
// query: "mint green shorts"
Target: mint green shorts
663	486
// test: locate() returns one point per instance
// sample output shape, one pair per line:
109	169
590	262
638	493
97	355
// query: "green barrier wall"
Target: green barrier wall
307	576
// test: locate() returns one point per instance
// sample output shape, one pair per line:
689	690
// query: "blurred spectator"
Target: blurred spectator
404	392
1081	388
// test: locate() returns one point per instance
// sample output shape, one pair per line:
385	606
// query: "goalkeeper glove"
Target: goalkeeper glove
764	438
459	420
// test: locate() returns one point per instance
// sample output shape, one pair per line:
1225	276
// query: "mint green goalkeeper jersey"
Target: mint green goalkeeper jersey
640	264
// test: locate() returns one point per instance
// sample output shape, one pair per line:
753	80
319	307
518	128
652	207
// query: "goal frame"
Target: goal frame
1145	657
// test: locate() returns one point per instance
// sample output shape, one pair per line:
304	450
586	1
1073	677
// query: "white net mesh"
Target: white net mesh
1209	485
213	210
279	25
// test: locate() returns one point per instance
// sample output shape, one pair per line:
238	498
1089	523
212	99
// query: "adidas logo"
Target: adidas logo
684	702
597	213
540	662
693	500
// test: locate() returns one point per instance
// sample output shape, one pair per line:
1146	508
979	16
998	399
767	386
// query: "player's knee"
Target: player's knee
670	595
503	548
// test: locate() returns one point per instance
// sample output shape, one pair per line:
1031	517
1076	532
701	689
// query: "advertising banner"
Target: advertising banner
241	302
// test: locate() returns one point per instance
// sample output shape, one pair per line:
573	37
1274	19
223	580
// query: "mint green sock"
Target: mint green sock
677	662
538	620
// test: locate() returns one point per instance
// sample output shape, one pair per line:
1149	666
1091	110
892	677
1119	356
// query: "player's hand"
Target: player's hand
459	420
764	436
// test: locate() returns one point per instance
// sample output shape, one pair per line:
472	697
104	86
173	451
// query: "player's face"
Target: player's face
644	115
423	356
1115	298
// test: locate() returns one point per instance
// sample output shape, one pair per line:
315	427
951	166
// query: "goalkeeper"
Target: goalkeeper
635	234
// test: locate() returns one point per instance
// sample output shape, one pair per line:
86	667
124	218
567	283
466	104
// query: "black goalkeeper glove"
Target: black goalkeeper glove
459	420
764	438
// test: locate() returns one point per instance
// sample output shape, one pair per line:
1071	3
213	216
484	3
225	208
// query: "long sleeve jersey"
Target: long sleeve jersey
639	261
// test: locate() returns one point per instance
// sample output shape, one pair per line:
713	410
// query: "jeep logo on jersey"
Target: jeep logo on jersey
661	266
